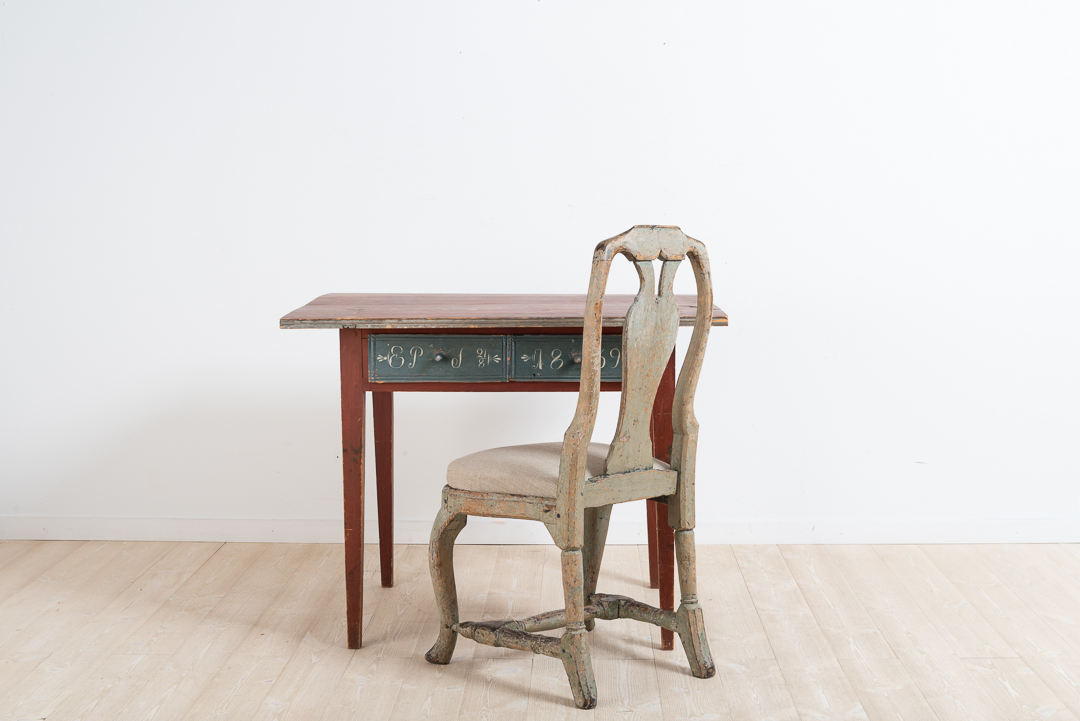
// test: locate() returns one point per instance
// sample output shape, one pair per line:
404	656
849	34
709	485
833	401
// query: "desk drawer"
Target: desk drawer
551	358
420	358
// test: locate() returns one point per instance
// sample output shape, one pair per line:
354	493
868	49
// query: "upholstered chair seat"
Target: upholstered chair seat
531	470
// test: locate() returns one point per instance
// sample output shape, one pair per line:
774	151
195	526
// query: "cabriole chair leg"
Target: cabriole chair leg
441	557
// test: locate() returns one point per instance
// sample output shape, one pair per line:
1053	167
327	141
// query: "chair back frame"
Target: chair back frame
649	334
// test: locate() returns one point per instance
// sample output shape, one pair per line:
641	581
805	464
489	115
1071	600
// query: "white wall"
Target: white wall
889	194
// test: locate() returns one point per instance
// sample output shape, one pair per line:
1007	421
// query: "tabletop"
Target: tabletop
467	310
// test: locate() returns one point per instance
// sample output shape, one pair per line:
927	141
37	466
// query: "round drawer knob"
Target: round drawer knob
576	357
440	357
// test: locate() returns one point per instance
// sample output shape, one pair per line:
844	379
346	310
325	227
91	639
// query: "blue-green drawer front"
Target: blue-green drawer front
420	358
550	358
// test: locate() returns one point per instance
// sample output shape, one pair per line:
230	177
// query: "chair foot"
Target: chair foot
443	649
578	665
695	644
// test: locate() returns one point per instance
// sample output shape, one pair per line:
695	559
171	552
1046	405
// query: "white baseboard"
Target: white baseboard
488	530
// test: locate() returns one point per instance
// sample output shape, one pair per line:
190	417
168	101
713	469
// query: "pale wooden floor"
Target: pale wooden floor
92	630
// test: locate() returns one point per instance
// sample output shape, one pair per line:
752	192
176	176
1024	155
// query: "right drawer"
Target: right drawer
551	358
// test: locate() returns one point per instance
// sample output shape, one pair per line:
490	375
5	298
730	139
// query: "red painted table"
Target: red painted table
453	321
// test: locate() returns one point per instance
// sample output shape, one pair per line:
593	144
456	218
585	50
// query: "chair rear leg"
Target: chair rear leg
690	619
441	557
575	639
596	529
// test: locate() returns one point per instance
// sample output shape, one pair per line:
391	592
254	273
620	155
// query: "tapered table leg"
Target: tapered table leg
665	550
654	560
661	533
382	415
351	343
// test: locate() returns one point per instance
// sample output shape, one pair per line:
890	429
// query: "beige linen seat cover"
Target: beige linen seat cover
531	470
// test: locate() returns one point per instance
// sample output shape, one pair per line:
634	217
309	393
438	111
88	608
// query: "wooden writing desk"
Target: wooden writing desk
446	343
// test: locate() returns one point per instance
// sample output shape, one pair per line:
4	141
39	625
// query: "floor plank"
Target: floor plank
927	657
1061	675
432	691
368	688
404	615
950	688
498	688
14	669
51	590
1011	617
1057	564
626	688
886	690
75	663
58	623
117	679
795	638
167	629
1043	594
735	630
823	693
307	683
814	679
239	688
686	698
756	689
14	549
1018	690
962	627
899	618
205	651
37	558
847	626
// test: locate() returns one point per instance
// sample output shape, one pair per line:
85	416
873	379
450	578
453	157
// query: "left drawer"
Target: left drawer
420	358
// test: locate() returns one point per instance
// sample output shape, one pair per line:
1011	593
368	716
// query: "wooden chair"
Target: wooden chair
570	486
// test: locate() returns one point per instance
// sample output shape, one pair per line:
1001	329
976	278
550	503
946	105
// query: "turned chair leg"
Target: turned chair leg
441	557
690	619
596	529
575	639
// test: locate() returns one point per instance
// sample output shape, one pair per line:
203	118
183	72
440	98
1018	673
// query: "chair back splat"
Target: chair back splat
571	488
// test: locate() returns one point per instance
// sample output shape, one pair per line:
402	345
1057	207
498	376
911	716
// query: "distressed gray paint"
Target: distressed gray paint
578	517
